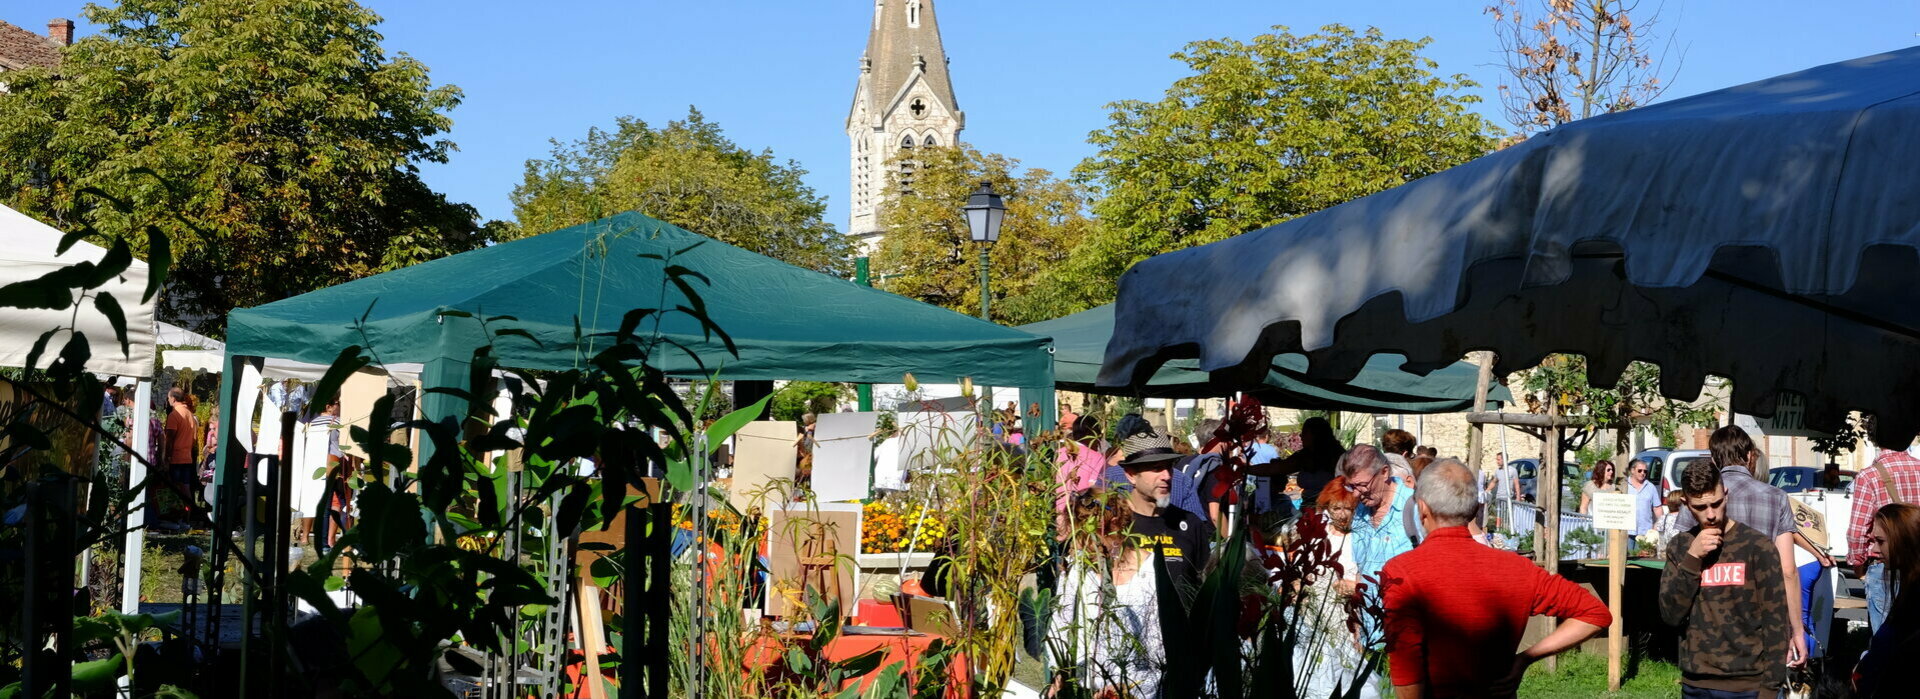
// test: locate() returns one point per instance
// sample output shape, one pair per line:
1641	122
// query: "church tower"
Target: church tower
904	100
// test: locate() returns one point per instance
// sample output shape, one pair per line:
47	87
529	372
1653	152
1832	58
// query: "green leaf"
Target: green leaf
798	662
117	259
723	428
98	675
159	262
110	308
344	365
863	663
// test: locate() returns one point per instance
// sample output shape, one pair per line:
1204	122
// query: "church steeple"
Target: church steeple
904	99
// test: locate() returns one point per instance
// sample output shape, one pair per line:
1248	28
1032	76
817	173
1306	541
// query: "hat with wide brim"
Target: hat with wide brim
1146	449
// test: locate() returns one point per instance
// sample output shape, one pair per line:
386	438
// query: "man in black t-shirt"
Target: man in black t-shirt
1179	536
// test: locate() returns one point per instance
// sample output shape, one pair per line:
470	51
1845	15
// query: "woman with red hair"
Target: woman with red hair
1329	653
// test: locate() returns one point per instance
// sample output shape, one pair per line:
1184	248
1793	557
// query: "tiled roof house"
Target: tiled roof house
20	48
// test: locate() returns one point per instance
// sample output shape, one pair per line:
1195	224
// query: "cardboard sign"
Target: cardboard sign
787	534
1612	511
764	452
1811	523
843	456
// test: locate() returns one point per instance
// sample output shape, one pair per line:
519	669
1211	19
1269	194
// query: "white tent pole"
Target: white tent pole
137	509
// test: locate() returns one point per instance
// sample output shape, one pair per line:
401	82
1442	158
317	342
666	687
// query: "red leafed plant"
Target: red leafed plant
1245	418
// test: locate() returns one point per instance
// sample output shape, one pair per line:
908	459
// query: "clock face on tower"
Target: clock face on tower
918	108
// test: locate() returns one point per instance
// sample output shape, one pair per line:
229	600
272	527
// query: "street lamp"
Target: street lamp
984	214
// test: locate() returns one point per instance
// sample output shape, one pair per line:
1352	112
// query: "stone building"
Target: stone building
21	49
903	100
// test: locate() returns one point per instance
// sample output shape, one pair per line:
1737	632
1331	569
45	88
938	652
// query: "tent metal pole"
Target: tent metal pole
137	508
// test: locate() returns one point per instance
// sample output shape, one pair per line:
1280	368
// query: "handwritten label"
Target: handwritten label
1724	575
1613	511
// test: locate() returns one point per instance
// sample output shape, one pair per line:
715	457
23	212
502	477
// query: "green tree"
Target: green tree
1262	132
928	254
798	398
287	139
687	174
1633	401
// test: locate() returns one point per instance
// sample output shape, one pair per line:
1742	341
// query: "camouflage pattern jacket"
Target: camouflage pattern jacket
1732	606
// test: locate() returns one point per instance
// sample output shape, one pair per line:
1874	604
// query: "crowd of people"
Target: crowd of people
1410	573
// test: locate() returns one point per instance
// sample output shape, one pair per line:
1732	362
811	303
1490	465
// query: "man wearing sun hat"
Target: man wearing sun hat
1179	536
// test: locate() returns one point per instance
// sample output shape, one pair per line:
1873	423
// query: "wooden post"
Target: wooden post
1547	484
1616	581
592	637
1476	432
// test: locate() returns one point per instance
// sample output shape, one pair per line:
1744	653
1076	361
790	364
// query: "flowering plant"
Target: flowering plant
885	528
1245	418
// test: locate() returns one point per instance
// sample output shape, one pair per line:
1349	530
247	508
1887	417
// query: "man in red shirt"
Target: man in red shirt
1473	600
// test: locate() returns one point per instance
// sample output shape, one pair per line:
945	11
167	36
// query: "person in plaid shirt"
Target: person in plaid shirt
1902	471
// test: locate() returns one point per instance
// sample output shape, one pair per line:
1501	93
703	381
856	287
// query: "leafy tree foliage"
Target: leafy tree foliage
798	398
286	138
1634	401
1264	131
929	255
687	174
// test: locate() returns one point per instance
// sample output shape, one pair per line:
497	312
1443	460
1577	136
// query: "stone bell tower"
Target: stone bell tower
903	100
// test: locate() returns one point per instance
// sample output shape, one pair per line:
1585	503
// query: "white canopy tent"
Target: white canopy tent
30	250
211	360
171	335
1768	233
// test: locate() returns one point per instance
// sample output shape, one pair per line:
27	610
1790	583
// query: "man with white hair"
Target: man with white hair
1473	600
1380	529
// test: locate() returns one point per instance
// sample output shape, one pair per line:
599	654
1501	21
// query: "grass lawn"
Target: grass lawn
1585	675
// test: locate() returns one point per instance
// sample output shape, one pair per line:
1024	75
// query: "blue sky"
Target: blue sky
1033	76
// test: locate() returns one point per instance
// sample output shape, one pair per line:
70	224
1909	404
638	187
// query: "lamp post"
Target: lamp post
984	213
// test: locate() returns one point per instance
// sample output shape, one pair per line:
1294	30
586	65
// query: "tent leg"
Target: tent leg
239	393
137	509
439	407
1040	412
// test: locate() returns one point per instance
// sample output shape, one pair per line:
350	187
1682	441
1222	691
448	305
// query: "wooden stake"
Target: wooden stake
592	637
1476	432
1616	581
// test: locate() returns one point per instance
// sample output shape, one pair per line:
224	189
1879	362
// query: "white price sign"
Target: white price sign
1613	511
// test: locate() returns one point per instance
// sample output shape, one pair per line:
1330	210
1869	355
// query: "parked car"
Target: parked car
1656	459
1677	462
1800	479
1529	472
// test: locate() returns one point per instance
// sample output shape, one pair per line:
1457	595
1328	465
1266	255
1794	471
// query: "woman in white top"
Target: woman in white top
1329	653
1108	620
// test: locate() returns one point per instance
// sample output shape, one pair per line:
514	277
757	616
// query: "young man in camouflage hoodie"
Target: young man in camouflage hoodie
1722	586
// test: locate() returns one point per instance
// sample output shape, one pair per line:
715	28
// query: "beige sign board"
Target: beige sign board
788	532
764	452
1612	511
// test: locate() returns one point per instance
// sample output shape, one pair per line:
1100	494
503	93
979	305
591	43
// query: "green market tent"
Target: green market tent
566	289
788	323
1080	344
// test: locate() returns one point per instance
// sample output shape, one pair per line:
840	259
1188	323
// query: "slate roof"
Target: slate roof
20	48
